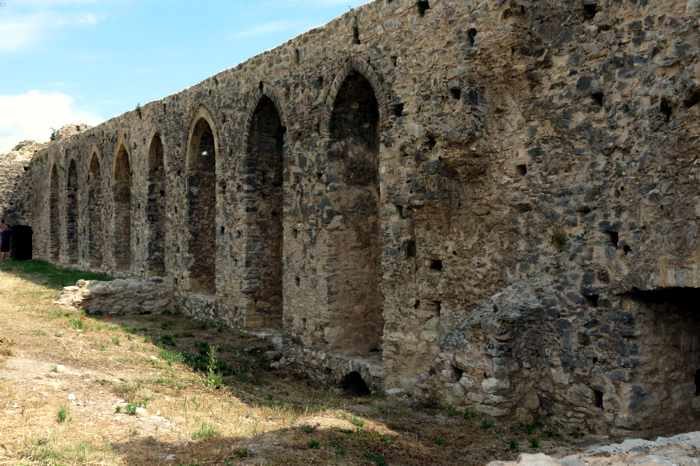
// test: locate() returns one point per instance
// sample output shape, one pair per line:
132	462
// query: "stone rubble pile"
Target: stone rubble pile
119	297
681	450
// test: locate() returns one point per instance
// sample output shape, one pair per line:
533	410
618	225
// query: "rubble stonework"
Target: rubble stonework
490	204
119	297
682	449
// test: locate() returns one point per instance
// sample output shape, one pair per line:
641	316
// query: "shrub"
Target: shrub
62	415
205	432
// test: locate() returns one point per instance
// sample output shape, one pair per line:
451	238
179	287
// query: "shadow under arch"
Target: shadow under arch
355	298
121	192
72	212
263	172
156	206
95	211
202	154
54	215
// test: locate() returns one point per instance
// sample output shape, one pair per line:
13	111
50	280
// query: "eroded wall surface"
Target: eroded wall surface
481	203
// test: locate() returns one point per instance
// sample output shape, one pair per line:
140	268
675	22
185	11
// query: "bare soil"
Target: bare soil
150	390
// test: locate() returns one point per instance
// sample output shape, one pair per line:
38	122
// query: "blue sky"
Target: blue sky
67	60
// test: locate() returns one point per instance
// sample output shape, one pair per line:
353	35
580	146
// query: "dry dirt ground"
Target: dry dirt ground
149	390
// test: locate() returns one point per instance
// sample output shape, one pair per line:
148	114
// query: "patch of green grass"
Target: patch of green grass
487	424
241	453
171	357
115	340
52	276
130	408
76	323
376	458
205	432
514	446
307	429
440	441
357	422
535	443
167	340
470	414
214	379
313	444
62	415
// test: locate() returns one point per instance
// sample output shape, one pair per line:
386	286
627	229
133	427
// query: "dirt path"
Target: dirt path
81	390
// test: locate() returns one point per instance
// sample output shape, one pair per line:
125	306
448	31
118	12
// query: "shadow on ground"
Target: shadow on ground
369	430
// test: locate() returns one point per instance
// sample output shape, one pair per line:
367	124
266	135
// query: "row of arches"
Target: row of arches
354	265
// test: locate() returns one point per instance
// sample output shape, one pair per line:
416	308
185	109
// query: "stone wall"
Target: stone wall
461	199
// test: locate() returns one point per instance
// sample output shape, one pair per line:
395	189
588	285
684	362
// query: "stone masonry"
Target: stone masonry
488	203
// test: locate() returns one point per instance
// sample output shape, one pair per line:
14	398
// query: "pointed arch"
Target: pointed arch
201	203
354	268
264	170
95	212
54	216
72	212
121	192
155	207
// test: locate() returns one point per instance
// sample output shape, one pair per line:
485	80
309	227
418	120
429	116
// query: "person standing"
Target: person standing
4	241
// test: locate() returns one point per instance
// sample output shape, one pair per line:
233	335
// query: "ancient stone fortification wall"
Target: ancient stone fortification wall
488	203
13	171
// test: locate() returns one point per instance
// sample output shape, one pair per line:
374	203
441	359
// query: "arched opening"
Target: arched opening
354	385
21	243
355	295
95	205
122	210
155	208
54	217
201	213
72	212
265	167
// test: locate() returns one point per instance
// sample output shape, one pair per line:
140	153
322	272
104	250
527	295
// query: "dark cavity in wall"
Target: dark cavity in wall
72	213
95	215
54	216
265	171
666	109
590	8
201	208
355	295
471	34
122	210
354	385
666	324
423	6
21	243
598	398
155	208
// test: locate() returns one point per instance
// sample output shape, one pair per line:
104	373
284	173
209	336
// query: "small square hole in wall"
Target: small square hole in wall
436	264
521	169
598	398
590	8
423	6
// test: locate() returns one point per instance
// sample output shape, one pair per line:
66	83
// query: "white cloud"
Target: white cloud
33	114
18	31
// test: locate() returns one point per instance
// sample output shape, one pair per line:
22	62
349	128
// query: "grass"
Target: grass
62	415
51	276
205	432
211	397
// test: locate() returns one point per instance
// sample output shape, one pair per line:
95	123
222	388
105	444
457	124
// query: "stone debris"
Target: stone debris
118	297
681	450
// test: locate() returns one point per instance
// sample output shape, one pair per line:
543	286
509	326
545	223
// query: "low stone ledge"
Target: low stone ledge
119	297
